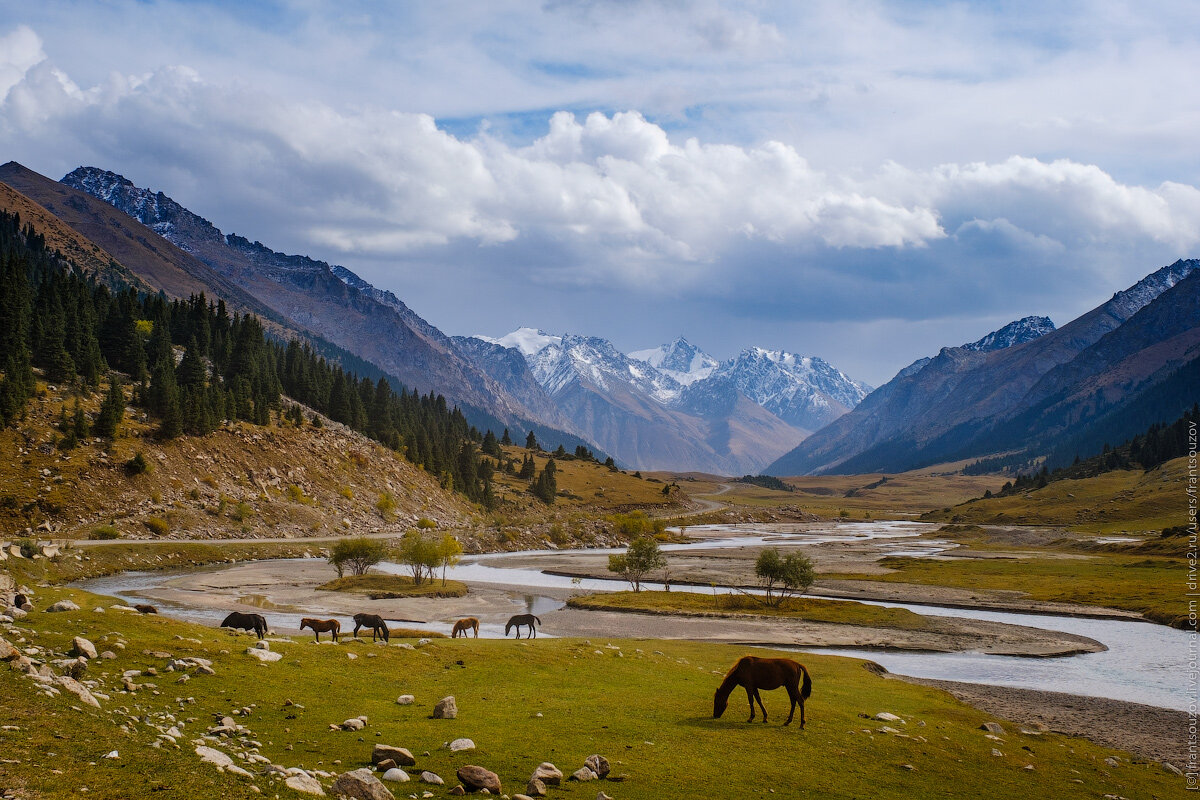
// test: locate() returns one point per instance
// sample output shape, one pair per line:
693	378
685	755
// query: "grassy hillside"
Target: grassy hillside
646	706
1117	501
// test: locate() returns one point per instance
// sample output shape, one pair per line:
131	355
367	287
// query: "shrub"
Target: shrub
137	465
243	512
357	555
346	492
426	524
29	547
297	495
636	523
386	506
105	532
157	525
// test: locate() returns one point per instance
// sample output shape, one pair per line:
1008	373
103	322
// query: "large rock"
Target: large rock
360	785
78	689
212	756
432	778
399	755
583	774
405	700
476	778
461	744
82	647
63	605
535	788
597	764
396	775
446	708
305	784
7	651
548	774
266	656
994	728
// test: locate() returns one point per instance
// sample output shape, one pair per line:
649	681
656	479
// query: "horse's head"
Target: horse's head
720	701
508	627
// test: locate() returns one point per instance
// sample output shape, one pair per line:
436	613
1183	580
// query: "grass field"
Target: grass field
646	706
1151	586
382	586
807	608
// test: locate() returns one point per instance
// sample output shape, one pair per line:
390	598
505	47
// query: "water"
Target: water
1144	663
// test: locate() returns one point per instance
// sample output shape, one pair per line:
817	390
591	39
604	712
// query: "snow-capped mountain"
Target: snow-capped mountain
806	392
527	340
1023	330
680	359
596	361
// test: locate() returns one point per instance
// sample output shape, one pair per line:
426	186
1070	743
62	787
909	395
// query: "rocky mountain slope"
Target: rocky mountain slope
964	403
328	301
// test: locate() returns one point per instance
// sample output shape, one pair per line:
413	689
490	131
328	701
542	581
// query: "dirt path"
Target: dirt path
1154	733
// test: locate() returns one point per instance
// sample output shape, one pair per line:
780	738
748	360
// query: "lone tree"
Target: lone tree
531	442
449	549
357	555
783	575
642	556
421	555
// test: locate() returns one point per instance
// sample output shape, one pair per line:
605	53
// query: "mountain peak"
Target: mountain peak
680	359
530	341
1020	331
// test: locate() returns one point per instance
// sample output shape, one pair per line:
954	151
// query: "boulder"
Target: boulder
885	716
583	774
548	774
396	775
992	727
353	724
461	744
446	708
535	788
212	756
265	656
405	700
476	778
597	764
78	689
360	785
63	605
385	765
305	784
7	651
432	778
108	655
458	791
400	756
82	647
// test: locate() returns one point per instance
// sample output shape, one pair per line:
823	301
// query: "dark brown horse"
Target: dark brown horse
464	625
247	622
756	673
522	619
374	622
146	608
320	626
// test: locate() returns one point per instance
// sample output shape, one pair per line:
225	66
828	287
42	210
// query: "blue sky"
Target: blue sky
862	181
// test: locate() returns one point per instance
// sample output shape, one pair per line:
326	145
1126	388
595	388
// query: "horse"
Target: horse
464	625
374	622
522	619
247	622
756	673
320	626
146	608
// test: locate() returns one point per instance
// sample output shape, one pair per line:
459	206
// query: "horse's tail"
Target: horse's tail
539	622
806	686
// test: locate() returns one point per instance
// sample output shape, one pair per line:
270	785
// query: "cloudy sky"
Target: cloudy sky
863	181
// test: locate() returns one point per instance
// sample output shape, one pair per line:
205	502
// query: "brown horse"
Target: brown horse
320	626
374	622
756	673
146	608
522	619
464	625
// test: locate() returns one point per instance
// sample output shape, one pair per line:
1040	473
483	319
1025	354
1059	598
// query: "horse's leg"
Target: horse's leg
357	625
794	696
750	698
758	697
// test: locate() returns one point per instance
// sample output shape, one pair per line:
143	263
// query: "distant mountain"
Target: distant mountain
965	403
805	392
329	301
680	359
1023	330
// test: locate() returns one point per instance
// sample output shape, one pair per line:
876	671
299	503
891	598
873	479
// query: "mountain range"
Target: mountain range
1026	398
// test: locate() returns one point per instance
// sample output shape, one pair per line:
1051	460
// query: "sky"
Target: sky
861	181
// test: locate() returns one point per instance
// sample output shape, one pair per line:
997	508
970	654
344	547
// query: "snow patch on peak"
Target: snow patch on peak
1128	302
530	341
1023	330
681	360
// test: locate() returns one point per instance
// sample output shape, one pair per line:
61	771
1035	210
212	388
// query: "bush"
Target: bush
357	555
386	506
420	554
157	525
137	465
29	547
243	512
297	495
636	523
426	524
346	492
104	533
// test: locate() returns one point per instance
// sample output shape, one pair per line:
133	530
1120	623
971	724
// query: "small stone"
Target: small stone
306	784
477	778
63	605
405	700
112	754
108	655
214	757
396	775
266	656
353	724
602	796
908	767
884	716
385	765
597	764
461	744
458	791
996	752
548	774
8	652
993	728
360	785
1112	762
583	774
401	757
446	708
535	788
432	778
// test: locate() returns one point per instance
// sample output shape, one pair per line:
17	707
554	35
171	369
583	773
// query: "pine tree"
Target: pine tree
112	411
506	439
531	442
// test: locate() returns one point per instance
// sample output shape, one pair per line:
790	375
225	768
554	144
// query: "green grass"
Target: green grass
388	586
649	712
1151	586
726	605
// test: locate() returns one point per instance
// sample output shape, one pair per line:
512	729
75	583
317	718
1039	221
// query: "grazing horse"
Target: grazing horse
464	625
146	608
247	622
374	622
522	619
756	673
320	626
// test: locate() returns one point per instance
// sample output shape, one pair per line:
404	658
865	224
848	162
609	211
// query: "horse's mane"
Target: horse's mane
736	665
